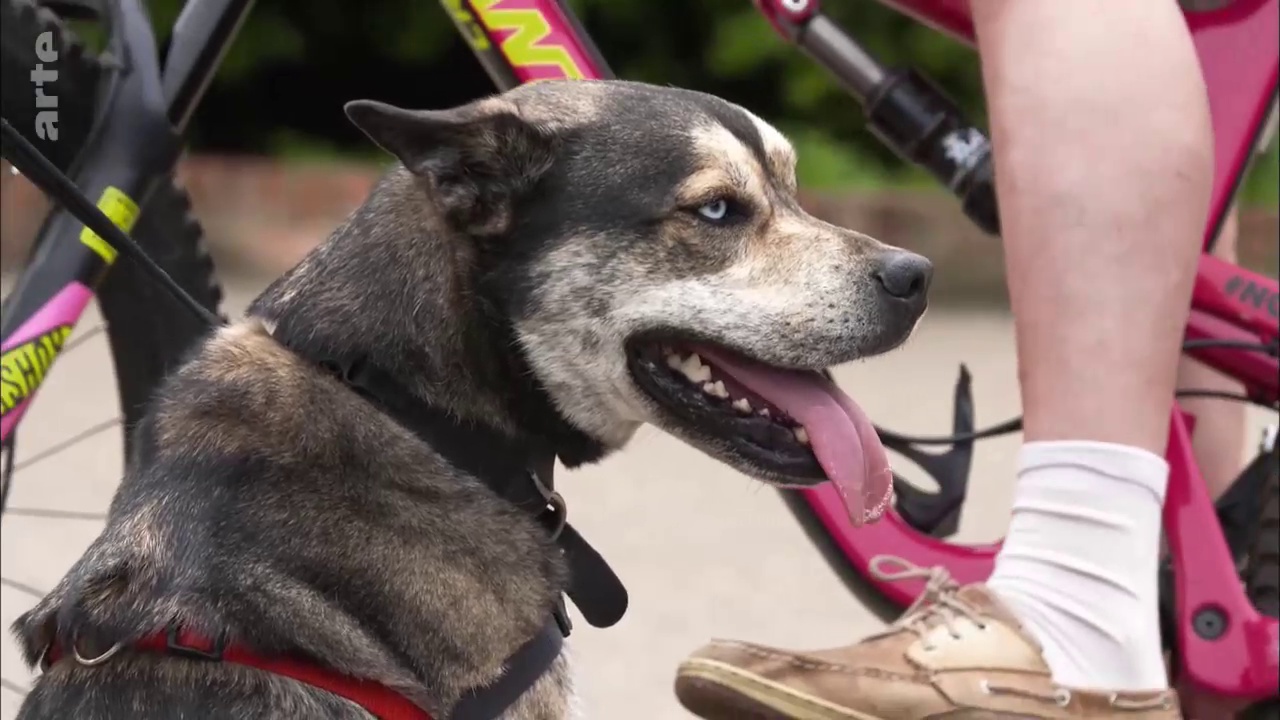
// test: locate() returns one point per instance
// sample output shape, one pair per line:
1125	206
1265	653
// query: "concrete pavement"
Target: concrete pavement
704	551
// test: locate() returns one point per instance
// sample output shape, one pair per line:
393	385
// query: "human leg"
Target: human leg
1103	165
1102	229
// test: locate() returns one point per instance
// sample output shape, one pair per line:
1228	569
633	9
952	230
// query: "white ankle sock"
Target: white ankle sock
1078	566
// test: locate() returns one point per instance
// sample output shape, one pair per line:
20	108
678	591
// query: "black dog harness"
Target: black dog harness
522	474
518	472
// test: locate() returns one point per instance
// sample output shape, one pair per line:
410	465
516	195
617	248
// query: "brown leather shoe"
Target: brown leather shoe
956	654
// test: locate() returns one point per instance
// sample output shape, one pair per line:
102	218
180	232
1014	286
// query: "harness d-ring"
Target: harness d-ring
90	662
559	513
555	504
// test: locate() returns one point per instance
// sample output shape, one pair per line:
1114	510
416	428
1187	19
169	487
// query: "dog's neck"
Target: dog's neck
394	288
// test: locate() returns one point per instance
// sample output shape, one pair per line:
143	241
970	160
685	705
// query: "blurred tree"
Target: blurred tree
295	62
284	81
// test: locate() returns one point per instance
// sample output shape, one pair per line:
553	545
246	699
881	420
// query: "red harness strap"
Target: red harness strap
529	663
379	700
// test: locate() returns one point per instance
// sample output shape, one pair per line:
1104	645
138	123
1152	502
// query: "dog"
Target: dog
547	268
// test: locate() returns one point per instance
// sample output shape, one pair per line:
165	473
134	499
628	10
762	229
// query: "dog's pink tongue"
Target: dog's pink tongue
840	433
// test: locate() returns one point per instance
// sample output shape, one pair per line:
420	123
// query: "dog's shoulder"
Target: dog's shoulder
263	495
241	392
210	419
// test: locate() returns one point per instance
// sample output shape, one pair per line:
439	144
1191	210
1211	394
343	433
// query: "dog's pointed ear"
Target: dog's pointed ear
479	158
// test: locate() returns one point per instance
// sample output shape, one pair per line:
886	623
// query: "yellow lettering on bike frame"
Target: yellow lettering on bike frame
22	368
524	46
122	211
467	23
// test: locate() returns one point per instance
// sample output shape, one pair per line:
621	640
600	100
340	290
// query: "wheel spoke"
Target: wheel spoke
22	588
54	514
65	444
82	337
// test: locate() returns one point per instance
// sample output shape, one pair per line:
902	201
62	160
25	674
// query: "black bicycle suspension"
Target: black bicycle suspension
907	112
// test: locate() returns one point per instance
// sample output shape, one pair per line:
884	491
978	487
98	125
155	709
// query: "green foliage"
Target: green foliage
726	47
719	46
1263	184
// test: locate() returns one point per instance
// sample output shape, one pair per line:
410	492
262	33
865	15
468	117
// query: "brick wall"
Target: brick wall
262	216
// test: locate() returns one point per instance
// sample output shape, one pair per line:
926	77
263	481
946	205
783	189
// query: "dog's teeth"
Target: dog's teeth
693	369
716	389
742	406
764	412
673	362
801	435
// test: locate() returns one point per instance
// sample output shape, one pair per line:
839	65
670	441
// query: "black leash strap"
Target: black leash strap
31	162
595	589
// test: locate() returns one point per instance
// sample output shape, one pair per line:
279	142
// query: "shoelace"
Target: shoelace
941	603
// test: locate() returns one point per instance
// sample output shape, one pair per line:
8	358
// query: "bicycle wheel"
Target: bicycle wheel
1269	710
148	331
1262	570
1262	567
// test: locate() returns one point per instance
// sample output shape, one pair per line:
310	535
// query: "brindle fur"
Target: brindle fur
503	261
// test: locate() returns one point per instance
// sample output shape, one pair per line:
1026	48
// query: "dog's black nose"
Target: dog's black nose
904	275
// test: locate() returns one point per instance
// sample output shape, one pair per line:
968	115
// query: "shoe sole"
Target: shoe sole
714	690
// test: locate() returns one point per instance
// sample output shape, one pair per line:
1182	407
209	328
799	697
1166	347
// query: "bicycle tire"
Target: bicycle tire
1268	710
1262	566
22	23
149	332
1262	571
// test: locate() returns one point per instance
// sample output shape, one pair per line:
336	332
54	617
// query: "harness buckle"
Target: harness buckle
173	643
561	615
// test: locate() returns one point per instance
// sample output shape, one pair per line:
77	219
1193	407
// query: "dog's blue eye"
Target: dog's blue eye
715	210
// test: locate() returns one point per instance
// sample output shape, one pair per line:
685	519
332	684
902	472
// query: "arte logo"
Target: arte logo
529	41
47	117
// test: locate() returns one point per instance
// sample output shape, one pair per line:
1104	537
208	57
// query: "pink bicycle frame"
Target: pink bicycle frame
1239	50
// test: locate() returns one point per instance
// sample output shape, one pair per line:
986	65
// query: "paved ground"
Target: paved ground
705	551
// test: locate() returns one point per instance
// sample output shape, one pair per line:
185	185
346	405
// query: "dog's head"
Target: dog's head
646	245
